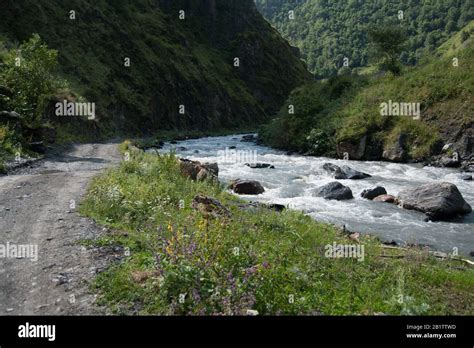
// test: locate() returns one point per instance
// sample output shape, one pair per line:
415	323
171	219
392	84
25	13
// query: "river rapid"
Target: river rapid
294	178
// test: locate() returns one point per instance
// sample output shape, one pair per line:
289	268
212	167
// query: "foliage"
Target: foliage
387	44
312	127
327	31
29	72
325	117
173	62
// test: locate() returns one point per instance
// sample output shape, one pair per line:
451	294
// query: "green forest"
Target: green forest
328	31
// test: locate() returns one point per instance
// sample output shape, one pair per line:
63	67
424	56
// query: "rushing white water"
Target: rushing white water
295	177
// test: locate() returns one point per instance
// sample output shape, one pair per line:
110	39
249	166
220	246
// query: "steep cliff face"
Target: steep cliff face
222	65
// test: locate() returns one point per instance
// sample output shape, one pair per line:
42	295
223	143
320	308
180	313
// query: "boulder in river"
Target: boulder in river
247	187
259	165
334	191
344	172
385	199
466	177
372	193
439	201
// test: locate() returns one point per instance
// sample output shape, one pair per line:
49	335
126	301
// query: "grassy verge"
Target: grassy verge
183	261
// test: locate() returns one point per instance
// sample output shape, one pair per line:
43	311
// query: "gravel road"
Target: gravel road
37	210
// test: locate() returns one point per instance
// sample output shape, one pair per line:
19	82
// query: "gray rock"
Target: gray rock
334	191
198	171
355	149
449	162
372	193
466	177
396	152
439	201
344	172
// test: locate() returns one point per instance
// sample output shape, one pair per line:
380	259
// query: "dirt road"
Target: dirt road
37	210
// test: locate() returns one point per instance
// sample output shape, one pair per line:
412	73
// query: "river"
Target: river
295	177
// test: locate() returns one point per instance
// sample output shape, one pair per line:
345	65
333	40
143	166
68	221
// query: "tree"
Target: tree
30	73
387	43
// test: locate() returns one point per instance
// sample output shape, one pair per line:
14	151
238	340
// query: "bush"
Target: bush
30	73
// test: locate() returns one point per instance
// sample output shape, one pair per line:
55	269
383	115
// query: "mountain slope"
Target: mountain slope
173	62
328	31
343	115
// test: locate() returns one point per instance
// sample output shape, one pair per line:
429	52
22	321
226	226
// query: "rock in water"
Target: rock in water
372	193
334	191
247	187
385	199
259	165
439	201
344	172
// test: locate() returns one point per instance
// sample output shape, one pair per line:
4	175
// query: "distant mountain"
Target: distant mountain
189	61
328	31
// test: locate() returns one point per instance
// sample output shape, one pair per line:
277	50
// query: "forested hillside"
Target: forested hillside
328	31
343	114
146	68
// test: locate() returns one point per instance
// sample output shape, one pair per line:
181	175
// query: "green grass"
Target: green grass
270	262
